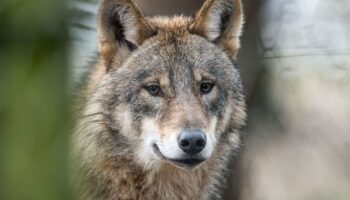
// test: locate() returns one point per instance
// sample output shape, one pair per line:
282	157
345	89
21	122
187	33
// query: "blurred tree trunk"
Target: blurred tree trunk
34	118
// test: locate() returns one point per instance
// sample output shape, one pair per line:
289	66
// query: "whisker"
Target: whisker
93	114
101	131
96	121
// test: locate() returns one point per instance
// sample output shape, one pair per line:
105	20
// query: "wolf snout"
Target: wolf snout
192	141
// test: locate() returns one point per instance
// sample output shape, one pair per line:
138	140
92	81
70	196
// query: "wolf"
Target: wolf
162	108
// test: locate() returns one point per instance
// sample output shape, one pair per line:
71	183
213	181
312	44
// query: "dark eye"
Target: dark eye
154	90
206	87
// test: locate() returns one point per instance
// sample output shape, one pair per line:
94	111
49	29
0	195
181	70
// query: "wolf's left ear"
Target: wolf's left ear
121	28
221	22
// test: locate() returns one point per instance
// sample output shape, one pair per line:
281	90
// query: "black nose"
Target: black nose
192	141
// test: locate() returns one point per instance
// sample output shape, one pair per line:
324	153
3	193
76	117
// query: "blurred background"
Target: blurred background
295	64
34	113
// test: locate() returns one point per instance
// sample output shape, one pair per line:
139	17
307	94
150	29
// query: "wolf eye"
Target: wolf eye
206	87
154	90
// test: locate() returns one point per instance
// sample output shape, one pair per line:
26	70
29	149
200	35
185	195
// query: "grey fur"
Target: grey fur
109	135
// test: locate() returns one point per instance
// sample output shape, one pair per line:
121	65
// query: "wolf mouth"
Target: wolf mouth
186	162
190	162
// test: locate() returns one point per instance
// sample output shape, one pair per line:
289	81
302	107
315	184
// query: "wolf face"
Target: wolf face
167	88
173	94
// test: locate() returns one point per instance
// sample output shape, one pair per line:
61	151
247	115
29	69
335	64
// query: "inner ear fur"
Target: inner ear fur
221	22
121	28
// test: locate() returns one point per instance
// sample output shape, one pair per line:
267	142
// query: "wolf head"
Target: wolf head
167	89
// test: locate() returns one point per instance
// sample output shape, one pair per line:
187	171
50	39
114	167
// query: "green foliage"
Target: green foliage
34	113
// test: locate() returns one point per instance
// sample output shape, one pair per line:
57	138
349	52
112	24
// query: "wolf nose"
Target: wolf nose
192	141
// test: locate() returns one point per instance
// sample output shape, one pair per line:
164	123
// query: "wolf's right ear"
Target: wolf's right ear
121	27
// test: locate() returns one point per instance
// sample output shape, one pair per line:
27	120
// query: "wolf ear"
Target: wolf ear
221	22
121	28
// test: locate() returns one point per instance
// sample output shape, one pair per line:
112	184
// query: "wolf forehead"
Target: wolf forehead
182	62
174	48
